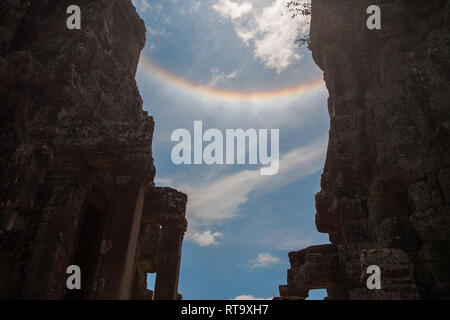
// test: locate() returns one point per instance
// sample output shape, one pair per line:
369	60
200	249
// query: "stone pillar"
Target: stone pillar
164	215
168	270
113	258
127	278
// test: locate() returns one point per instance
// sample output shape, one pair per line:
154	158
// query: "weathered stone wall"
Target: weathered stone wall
384	196
75	152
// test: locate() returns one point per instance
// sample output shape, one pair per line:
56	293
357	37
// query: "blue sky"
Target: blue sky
241	224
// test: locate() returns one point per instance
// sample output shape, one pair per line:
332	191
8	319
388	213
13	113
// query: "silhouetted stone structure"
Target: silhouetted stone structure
76	158
385	197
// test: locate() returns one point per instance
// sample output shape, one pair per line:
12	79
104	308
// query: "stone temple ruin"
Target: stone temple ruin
76	166
76	160
385	189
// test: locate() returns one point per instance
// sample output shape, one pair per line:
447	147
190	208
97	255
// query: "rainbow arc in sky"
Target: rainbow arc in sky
149	67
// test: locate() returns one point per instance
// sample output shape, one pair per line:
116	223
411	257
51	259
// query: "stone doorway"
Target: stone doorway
87	253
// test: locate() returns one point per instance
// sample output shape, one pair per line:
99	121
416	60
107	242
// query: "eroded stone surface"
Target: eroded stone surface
76	159
384	195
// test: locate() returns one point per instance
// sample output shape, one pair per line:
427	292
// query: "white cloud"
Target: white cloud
272	30
249	297
206	238
233	10
264	260
218	76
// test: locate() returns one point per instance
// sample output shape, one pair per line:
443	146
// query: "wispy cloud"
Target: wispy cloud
190	9
214	200
271	29
217	77
142	5
158	33
264	260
